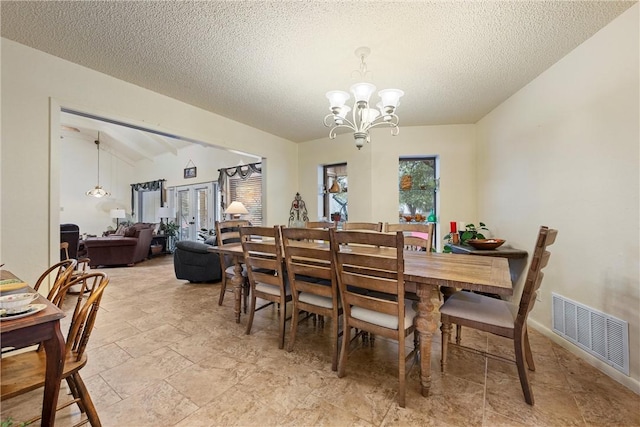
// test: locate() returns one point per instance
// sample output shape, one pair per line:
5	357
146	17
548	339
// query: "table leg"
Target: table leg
237	281
54	350
426	325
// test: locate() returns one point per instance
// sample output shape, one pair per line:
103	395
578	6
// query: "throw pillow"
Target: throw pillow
130	232
120	230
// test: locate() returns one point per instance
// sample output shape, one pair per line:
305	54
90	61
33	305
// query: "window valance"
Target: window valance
242	171
157	185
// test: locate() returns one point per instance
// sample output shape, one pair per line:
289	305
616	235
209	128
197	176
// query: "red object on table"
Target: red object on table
454	226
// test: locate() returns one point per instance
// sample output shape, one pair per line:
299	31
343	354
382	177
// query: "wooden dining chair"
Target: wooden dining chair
373	262
229	232
58	275
363	226
417	236
262	249
500	317
25	372
314	288
320	224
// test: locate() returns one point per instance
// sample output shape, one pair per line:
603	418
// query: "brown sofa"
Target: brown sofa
127	249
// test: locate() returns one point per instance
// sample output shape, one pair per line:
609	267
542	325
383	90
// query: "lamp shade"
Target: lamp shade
118	213
236	208
166	212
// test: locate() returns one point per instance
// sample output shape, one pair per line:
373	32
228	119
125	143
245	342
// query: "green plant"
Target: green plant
171	228
470	232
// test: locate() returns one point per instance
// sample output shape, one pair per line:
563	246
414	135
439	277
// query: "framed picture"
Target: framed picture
190	172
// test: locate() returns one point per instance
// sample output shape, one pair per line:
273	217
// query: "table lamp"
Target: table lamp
165	212
236	209
117	214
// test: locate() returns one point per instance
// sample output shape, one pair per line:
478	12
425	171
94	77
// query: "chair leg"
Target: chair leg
446	336
346	338
92	414
519	350
223	288
458	334
247	289
294	328
527	351
401	373
74	391
282	311
334	342
252	311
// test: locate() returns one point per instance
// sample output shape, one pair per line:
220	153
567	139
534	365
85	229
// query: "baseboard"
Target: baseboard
631	383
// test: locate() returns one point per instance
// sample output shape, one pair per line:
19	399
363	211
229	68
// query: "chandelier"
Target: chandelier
98	191
363	117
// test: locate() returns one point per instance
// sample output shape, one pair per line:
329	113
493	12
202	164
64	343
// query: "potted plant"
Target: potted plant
470	232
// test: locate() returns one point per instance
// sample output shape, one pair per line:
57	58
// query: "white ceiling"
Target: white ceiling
269	64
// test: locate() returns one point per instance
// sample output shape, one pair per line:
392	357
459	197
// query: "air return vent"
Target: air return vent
601	335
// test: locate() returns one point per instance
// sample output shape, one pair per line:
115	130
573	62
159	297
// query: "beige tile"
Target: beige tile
315	411
102	358
137	374
158	405
150	340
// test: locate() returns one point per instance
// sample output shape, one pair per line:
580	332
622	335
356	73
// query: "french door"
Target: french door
196	210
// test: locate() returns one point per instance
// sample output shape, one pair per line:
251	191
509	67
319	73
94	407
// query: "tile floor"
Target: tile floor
163	353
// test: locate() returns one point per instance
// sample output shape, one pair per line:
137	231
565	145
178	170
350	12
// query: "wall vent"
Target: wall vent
600	334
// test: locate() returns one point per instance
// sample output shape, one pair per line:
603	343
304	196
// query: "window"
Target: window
417	178
249	192
243	184
335	184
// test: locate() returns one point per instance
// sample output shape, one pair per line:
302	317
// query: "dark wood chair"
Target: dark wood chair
229	232
500	317
59	276
314	288
25	372
364	226
262	249
374	263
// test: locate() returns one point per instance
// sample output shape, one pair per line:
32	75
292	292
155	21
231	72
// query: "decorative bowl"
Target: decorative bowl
485	244
17	303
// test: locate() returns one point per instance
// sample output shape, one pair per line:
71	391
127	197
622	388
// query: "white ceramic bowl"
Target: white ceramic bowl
16	303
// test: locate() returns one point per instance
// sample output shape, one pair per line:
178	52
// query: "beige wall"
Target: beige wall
32	81
563	152
373	171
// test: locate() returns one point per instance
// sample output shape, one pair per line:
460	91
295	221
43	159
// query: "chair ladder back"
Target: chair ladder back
263	255
368	226
421	241
377	269
539	260
320	224
305	262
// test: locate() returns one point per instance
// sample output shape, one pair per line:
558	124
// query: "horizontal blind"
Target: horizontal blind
249	193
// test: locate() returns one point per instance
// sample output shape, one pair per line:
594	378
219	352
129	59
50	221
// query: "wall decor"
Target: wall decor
190	171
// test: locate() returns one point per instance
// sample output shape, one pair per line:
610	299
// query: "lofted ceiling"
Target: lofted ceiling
268	64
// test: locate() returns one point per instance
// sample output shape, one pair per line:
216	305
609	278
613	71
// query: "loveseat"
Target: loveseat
193	262
128	248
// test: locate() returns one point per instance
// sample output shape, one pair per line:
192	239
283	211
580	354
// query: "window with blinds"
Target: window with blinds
249	193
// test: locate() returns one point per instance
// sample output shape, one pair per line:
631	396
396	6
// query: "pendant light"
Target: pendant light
98	191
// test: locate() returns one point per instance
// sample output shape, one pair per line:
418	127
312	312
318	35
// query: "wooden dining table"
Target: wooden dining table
424	274
41	327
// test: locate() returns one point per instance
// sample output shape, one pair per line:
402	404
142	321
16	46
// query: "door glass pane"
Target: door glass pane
202	217
184	216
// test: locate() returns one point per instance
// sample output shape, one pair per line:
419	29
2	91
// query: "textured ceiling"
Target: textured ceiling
269	64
